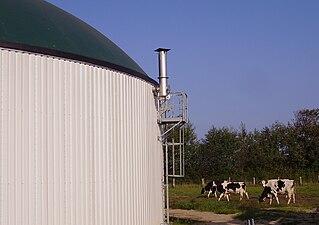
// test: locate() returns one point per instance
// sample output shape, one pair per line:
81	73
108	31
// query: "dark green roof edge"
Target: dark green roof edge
66	55
38	26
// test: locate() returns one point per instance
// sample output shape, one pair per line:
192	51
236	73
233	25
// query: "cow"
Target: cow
271	182
226	188
274	187
211	188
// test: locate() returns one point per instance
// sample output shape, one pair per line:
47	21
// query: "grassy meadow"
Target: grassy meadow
306	207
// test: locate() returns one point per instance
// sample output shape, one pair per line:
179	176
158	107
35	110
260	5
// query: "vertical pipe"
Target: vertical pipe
180	151
162	61
183	149
167	193
173	154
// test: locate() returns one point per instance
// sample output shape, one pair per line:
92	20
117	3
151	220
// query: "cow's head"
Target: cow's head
261	199
266	193
263	183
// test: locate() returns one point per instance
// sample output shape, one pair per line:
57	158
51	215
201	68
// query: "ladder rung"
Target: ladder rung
175	143
171	120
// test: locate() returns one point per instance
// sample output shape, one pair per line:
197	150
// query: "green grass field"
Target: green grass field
306	207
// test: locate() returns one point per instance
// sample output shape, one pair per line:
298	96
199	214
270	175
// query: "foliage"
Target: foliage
276	151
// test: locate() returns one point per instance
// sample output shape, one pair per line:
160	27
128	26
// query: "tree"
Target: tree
249	158
303	144
191	156
271	143
277	150
217	153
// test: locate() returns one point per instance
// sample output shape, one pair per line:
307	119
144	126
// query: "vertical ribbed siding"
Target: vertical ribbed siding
78	144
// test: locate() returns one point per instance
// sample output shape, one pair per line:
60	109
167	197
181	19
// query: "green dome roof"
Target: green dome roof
38	26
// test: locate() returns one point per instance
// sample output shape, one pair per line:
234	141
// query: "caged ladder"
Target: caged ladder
172	117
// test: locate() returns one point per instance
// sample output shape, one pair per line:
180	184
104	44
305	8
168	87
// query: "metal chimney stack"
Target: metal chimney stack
162	58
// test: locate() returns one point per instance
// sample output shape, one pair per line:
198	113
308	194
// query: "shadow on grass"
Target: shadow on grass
277	216
178	221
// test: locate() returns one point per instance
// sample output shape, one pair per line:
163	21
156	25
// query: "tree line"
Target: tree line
279	150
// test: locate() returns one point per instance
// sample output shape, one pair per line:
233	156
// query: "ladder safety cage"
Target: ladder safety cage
174	148
172	118
174	108
173	115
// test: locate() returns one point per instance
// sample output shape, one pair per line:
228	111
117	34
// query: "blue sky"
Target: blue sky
253	62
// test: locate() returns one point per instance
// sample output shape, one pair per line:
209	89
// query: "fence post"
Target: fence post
250	222
228	179
203	182
254	180
300	180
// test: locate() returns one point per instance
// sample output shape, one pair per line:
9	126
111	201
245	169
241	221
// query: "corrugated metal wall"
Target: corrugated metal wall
78	144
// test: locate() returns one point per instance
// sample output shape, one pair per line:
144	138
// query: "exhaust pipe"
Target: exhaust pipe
162	58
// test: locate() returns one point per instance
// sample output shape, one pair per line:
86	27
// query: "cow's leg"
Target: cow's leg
221	195
290	194
293	195
246	193
270	200
210	191
227	196
241	195
215	194
289	199
277	199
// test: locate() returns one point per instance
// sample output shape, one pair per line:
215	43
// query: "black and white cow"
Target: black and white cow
274	187
211	188
226	188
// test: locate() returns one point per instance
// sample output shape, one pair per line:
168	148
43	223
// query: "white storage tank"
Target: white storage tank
78	125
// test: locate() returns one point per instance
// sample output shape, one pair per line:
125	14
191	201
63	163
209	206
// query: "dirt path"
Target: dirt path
208	218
